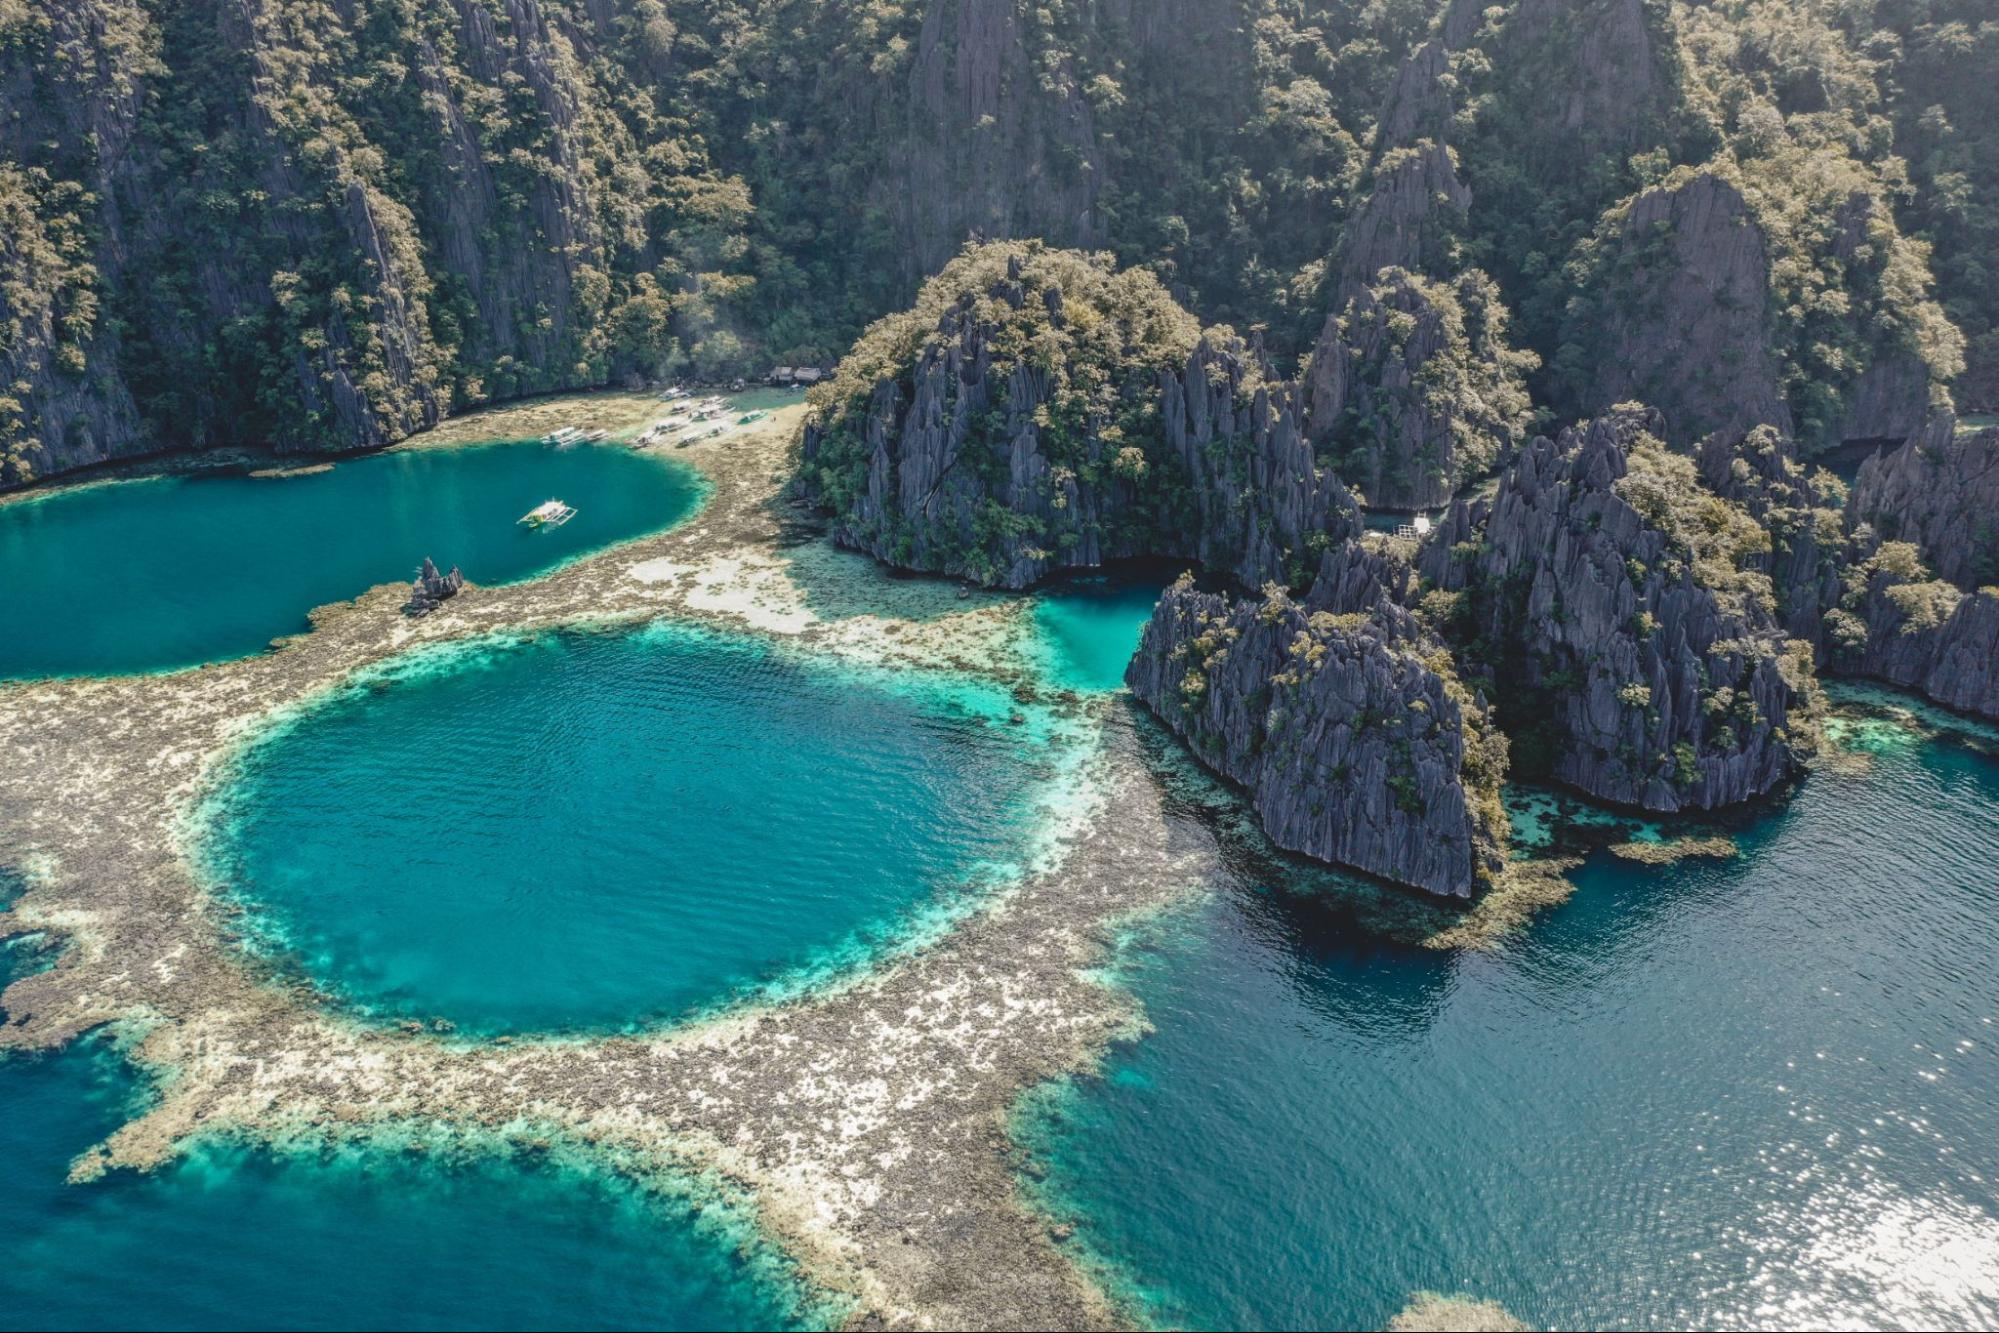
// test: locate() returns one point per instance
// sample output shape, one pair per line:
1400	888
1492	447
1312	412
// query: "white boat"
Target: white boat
567	435
547	514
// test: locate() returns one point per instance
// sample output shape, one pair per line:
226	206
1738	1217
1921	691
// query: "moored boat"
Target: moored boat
547	514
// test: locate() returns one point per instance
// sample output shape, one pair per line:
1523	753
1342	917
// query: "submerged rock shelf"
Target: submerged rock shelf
586	831
859	1120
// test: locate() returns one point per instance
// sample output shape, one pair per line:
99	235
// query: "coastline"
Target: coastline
865	1120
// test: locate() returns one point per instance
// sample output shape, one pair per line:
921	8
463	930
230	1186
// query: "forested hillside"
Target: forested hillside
319	224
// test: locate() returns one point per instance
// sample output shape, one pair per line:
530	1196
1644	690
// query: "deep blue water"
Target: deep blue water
1759	1092
173	571
231	1239
597	830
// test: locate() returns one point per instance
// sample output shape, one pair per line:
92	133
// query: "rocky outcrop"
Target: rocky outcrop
1039	412
432	589
1409	218
1414	390
1605	605
1677	308
274	224
1340	717
1258	504
1598	73
1384	388
71	76
1802	511
1893	394
1889	401
1420	104
1678	313
1899	625
988	119
1940	491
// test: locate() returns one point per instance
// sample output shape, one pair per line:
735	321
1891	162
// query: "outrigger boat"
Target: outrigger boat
567	435
547	514
751	418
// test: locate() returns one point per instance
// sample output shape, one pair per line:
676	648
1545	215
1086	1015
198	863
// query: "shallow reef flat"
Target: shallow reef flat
863	1121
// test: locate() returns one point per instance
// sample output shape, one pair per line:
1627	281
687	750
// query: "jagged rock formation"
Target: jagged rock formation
1342	718
1420	105
1940	491
1409	218
1600	77
432	589
1411	384
318	224
1038	411
984	129
1684	323
308	224
1259	505
1893	394
64	400
1900	625
1603	597
1414	389
1802	510
1897	621
1687	209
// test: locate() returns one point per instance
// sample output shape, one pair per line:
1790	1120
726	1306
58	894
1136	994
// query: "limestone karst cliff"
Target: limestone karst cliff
1682	321
1900	624
1939	491
1684	305
1415	391
319	224
1604	603
1341	716
1801	509
1039	410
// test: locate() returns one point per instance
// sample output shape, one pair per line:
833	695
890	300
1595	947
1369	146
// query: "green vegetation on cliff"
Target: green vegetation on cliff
322	223
1092	339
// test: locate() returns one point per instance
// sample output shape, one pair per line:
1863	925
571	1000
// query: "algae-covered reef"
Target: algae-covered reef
862	1120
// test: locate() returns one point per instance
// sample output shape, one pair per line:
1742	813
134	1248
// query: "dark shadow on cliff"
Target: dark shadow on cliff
1349	943
839	584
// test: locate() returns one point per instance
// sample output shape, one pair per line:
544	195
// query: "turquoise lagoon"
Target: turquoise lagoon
584	831
173	571
1086	627
355	1239
1757	1092
1750	1093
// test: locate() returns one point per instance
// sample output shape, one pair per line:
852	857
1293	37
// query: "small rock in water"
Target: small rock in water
432	589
